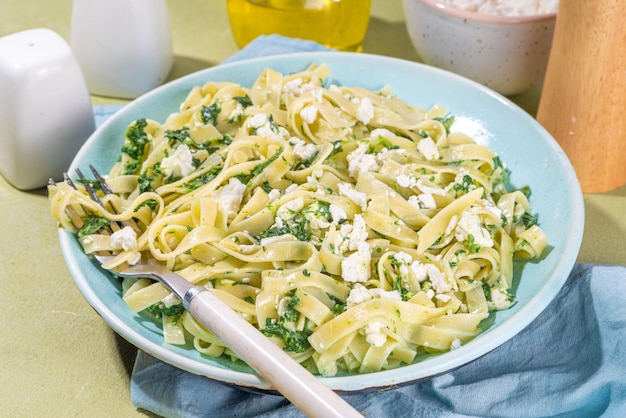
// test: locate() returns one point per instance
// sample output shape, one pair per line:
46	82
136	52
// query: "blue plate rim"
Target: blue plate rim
423	370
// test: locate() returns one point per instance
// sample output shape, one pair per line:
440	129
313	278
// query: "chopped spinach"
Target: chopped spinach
210	113
447	122
92	224
243	100
296	341
203	178
529	220
159	309
135	144
340	305
247	178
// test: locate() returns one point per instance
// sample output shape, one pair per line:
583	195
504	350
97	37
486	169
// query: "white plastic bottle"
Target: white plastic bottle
45	110
124	47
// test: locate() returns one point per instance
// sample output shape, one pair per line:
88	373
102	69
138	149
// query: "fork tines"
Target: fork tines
94	196
103	184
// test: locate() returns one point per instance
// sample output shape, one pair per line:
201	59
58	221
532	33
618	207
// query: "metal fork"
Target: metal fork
292	380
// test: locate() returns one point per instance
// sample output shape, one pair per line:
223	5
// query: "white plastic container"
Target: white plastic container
45	109
124	47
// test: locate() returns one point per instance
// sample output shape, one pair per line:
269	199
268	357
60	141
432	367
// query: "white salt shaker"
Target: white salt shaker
45	109
124	47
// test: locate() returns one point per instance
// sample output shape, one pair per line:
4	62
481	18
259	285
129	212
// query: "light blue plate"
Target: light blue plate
532	155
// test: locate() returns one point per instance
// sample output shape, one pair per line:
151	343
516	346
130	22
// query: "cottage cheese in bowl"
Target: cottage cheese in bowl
505	7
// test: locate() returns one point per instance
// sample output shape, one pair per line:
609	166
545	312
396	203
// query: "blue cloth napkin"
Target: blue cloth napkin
569	362
266	45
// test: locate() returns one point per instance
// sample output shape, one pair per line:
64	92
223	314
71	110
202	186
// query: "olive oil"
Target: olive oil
338	24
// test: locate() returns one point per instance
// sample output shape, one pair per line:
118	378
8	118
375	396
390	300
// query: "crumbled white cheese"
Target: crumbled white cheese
427	201
313	180
414	202
230	196
179	164
505	7
359	160
404	272
334	88
359	294
358	234
267	132
374	333
356	267
302	149
428	149
506	208
309	114
463	180
287	210
359	198
293	86
274	194
337	213
399	155
350	236
491	208
405	181
257	120
124	239
443	297
419	271
340	243
403	257
470	224
499	299
437	278
316	221
236	113
296	87
365	111
262	126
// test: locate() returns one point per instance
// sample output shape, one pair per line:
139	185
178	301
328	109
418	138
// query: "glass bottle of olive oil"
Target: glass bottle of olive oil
338	24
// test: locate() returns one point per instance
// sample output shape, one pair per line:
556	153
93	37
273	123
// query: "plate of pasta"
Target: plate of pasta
380	220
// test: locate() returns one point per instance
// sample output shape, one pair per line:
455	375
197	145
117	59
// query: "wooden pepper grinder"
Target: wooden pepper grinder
583	101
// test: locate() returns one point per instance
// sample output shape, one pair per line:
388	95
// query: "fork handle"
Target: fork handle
296	383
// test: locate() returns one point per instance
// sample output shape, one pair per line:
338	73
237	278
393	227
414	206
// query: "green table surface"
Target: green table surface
57	356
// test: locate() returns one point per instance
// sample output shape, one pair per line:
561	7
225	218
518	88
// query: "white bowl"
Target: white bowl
505	53
533	156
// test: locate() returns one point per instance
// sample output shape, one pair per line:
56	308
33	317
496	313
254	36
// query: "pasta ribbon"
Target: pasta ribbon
355	230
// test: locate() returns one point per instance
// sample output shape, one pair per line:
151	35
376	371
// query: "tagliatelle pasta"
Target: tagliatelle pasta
355	230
